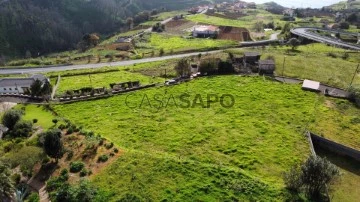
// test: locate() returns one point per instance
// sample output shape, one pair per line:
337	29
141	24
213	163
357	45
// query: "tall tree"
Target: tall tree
53	146
11	117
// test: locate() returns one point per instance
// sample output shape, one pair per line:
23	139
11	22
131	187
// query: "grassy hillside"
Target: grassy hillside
343	4
236	139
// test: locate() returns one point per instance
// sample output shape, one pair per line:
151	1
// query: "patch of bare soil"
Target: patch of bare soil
4	106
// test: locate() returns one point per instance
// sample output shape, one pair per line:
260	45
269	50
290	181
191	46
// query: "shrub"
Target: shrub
22	129
70	131
312	177
333	55
55	121
33	197
116	150
61	127
109	146
83	172
345	56
76	166
35	121
70	155
16	178
11	117
64	174
103	158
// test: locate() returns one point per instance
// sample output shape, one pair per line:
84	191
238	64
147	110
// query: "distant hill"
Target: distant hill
44	26
272	7
350	4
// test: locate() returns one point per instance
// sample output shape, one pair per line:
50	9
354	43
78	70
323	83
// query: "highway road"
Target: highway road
308	32
30	70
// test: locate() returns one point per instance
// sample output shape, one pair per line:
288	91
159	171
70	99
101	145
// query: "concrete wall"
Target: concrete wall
335	147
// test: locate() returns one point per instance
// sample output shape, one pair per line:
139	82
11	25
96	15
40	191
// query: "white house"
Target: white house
19	85
205	31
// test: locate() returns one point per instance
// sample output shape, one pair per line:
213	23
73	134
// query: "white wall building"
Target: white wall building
205	31
19	85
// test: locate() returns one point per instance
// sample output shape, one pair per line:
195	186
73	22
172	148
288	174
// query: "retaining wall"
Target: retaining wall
335	147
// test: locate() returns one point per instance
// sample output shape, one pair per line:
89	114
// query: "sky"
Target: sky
299	3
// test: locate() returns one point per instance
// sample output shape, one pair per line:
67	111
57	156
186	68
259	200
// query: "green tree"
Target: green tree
312	177
11	117
22	129
161	52
47	88
53	146
6	185
36	88
208	66
294	43
182	67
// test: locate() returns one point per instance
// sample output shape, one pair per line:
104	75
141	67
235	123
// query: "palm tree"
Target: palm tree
6	185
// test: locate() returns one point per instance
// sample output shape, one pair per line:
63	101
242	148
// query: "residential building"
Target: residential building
19	85
205	31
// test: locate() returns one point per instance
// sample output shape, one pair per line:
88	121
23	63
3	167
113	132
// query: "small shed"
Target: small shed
311	85
251	57
266	67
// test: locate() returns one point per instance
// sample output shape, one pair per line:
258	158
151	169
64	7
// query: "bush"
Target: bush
345	56
109	146
76	166
61	127
22	129
333	55
70	131
33	197
70	155
11	117
35	121
116	150
103	158
55	121
312	177
83	172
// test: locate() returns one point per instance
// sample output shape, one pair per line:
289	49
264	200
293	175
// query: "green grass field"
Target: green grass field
247	21
103	80
38	112
212	154
312	62
176	43
260	137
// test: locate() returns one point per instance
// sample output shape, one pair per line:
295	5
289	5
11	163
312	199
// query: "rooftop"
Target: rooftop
16	82
204	28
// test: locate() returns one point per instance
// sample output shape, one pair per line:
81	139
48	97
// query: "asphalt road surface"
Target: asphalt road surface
306	32
98	65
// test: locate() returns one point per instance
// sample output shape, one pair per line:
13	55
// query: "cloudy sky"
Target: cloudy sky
300	3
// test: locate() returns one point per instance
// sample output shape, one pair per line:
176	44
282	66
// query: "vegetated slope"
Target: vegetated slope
351	4
211	153
43	26
272	7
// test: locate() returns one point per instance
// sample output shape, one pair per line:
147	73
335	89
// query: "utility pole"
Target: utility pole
356	71
282	74
90	80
